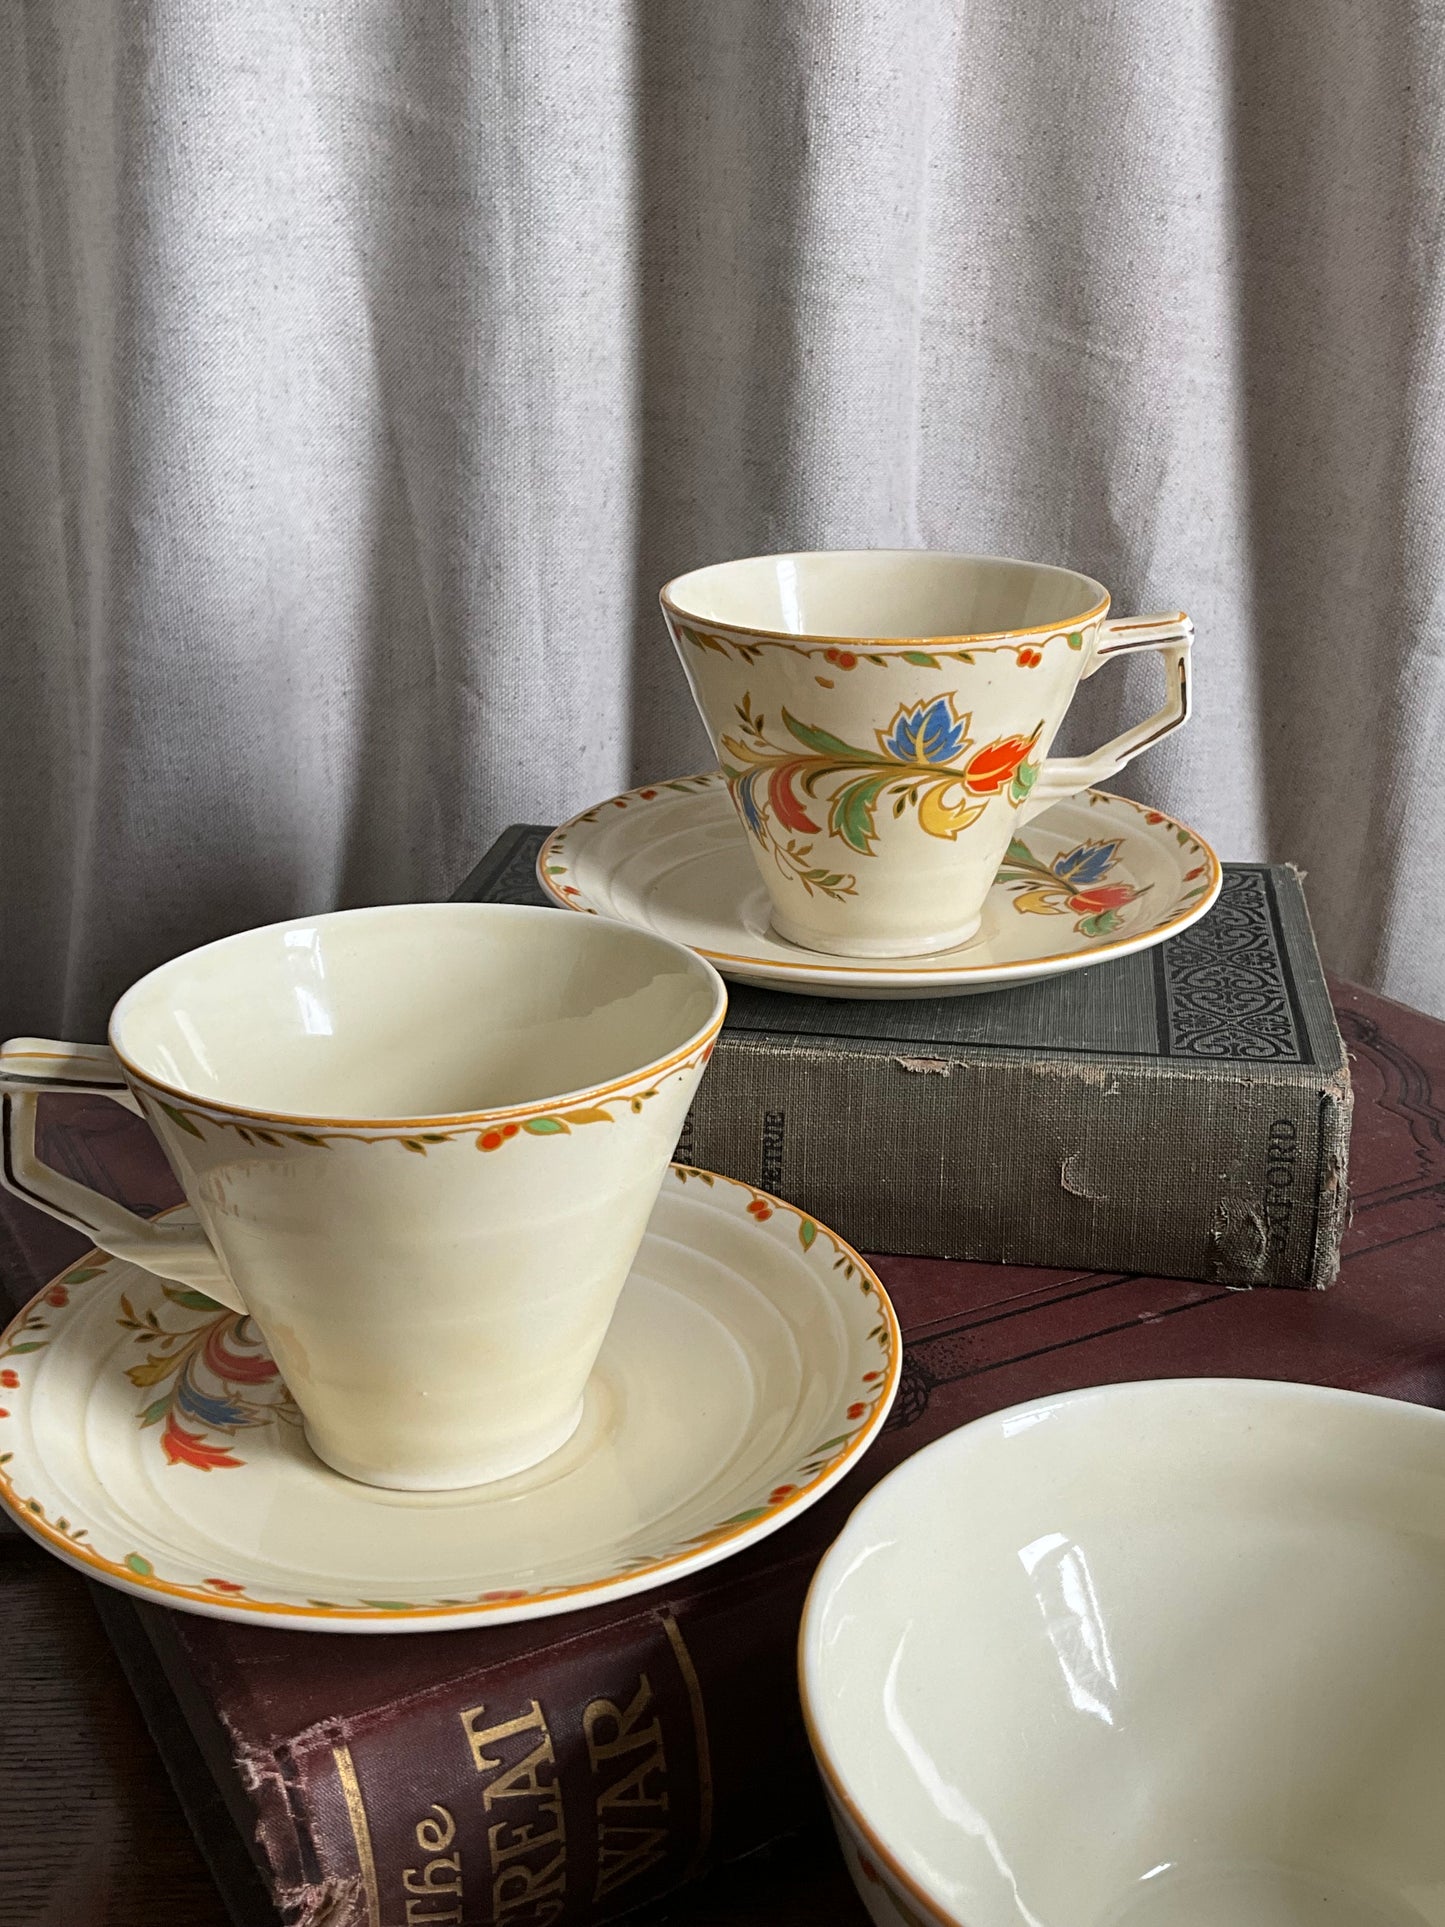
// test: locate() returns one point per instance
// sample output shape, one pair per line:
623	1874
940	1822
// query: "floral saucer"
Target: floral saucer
1093	877
146	1438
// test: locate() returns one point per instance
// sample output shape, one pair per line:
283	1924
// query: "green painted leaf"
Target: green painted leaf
390	1605
32	1345
80	1274
180	1118
153	1414
850	815
921	658
192	1300
1024	778
1100	924
1076	641
746	1518
142	1568
305	1137
807	1232
821	742
1183	835
544	1126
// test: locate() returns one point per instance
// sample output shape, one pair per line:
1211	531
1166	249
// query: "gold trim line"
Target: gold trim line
704	1752
360	1831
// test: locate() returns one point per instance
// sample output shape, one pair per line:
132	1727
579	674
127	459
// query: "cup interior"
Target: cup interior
416	1011
879	595
1156	1653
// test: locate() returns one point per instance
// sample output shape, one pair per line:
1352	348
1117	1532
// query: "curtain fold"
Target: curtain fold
364	370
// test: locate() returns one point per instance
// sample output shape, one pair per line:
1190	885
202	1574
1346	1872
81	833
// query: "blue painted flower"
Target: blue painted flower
206	1407
929	733
747	803
1090	863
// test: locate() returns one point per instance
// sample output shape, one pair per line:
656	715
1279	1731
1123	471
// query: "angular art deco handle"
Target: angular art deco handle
32	1065
1171	635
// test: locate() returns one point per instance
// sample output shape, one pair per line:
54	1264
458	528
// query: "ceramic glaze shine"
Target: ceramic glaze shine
1159	1655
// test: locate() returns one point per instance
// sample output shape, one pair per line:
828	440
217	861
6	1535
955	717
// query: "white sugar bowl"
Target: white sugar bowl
1167	1654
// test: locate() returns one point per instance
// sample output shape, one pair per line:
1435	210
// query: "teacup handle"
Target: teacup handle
31	1065
1170	635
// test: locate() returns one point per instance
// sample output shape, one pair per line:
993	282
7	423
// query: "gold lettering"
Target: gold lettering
480	1740
624	1738
520	1782
427	1884
452	1918
624	1854
524	1886
429	1835
527	1839
631	1791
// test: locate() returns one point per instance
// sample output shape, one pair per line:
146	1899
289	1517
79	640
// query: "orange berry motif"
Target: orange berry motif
761	1210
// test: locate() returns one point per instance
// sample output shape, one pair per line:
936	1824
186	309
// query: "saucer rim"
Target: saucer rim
727	1540
864	973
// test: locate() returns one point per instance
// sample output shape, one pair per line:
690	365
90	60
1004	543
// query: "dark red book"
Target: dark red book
632	1746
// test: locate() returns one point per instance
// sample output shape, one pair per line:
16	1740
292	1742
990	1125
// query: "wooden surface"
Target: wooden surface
91	1833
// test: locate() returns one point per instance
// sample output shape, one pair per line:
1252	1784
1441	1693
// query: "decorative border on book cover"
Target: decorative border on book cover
1226	986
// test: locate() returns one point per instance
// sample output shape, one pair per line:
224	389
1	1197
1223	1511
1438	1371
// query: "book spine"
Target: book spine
563	1785
1207	1174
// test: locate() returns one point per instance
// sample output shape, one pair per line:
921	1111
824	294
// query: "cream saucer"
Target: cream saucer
1094	877
146	1438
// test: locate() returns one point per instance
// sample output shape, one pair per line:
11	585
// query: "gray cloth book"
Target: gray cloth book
1183	1112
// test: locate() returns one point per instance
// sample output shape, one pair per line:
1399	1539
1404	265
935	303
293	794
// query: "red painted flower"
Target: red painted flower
3	1412
9	1379
57	1296
1153	816
870	1378
856	1411
991	769
1104	896
648	794
761	1210
189	1448
867	1869
1189	875
841	658
225	1585
513	1592
1030	658
781	1492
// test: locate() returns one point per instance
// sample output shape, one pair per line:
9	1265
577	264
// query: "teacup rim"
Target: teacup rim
699	1040
815	640
960	1439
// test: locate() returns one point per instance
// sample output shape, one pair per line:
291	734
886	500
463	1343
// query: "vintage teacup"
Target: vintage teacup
884	717
422	1144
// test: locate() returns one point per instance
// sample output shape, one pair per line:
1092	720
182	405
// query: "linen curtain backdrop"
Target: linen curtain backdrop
368	366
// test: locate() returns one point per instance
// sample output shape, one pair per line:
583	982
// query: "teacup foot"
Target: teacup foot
829	943
484	1469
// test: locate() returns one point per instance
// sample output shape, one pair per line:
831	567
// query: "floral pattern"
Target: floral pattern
1075	883
540	1124
217	1378
921	762
1026	650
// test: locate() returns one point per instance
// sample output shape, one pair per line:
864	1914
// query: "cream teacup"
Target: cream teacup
421	1143
884	717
